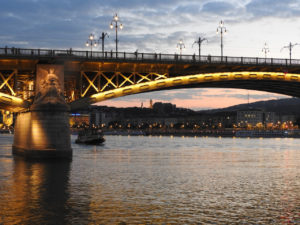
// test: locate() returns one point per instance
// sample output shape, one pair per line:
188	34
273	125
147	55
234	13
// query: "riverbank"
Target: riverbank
208	133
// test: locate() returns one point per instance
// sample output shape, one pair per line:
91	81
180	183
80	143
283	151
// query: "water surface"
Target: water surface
156	180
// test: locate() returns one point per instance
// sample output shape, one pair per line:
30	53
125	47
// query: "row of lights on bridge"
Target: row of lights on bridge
115	23
266	49
221	29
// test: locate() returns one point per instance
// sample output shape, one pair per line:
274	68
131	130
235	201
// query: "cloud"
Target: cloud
220	8
191	9
273	8
148	25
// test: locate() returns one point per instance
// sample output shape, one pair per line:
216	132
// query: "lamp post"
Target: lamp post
222	30
91	42
265	50
290	47
199	42
115	23
180	45
102	39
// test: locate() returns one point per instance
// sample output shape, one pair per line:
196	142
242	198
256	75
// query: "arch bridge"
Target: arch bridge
89	77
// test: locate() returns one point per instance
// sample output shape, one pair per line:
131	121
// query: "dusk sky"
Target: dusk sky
157	26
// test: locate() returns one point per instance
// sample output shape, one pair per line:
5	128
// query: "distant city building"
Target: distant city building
78	119
251	117
288	118
163	108
167	114
255	116
271	117
103	117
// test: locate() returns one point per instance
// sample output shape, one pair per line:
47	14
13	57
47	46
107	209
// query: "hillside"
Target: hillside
286	106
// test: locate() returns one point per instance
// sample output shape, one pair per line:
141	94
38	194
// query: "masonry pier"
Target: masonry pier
43	131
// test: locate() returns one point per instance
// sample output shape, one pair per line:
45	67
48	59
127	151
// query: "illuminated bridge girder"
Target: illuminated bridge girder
99	82
276	82
15	89
12	103
7	81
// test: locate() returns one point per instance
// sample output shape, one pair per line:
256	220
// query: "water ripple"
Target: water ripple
156	180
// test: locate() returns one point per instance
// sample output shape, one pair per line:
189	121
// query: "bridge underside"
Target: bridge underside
96	86
281	83
13	104
285	88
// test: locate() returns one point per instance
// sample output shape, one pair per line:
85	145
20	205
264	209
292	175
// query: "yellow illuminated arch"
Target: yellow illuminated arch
192	79
12	103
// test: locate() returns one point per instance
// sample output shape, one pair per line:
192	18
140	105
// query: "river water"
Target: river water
156	180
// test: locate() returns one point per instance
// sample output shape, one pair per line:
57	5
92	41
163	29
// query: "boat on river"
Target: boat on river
90	136
263	133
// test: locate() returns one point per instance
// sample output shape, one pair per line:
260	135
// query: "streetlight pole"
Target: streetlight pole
102	39
180	45
199	42
265	50
116	21
91	42
290	47
221	29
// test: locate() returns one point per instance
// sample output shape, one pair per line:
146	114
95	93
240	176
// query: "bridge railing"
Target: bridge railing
137	56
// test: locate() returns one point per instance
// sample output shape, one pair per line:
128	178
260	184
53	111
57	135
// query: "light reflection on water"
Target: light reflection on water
156	180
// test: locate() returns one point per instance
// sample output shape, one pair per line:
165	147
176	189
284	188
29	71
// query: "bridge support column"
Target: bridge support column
43	131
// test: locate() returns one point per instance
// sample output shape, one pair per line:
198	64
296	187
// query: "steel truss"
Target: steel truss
98	81
8	81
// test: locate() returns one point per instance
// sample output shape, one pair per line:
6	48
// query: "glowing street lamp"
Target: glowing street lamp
180	45
115	23
91	42
221	29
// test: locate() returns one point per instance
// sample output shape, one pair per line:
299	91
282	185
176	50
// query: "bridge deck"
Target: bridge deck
75	55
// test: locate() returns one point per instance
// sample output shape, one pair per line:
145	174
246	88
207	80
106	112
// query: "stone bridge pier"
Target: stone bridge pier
43	131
